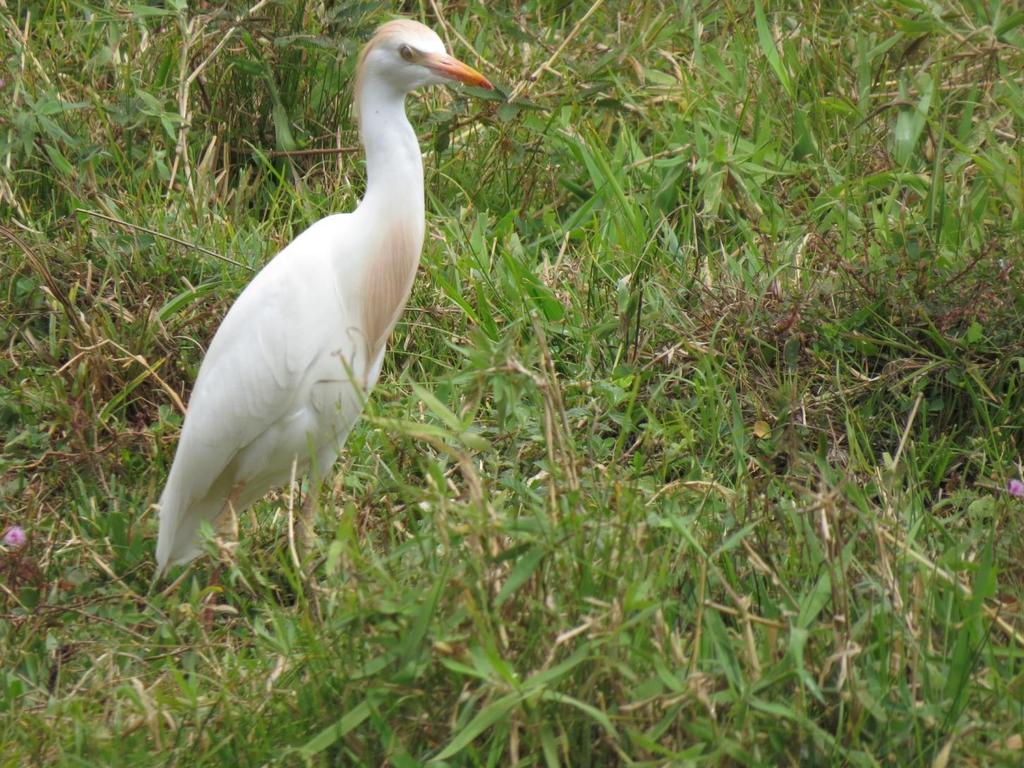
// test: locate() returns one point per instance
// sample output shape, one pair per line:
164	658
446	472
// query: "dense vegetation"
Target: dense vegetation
694	442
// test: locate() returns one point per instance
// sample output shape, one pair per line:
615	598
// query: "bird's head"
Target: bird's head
406	55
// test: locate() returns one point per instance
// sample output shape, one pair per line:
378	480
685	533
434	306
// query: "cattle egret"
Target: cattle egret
290	367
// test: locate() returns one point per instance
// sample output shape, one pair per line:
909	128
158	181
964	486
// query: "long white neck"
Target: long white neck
394	166
391	212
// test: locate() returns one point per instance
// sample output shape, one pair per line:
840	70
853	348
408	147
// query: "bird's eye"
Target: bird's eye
405	52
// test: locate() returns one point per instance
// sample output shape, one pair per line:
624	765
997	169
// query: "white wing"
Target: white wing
288	365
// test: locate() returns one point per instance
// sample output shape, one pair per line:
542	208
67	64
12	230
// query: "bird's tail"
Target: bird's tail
178	540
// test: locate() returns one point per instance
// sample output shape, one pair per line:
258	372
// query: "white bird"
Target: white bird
289	369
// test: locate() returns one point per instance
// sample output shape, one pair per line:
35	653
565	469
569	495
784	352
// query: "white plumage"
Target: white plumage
288	371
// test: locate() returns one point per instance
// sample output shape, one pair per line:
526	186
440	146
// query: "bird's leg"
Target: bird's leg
206	615
227	540
305	532
321	462
304	536
227	523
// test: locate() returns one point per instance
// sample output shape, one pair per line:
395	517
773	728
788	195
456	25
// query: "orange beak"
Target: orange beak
452	68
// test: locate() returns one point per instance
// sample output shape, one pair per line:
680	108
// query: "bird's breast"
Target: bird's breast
388	279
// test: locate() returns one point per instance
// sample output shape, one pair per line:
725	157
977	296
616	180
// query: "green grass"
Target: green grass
691	448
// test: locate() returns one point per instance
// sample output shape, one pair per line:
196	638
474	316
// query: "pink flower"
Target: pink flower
16	538
1015	487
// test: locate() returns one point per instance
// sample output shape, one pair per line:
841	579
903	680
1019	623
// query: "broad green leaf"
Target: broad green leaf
329	735
60	162
520	573
484	719
438	408
812	603
413	640
911	122
771	53
596	714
